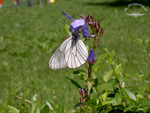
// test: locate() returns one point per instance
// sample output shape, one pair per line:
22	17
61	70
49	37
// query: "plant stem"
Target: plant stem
87	97
86	106
116	78
24	99
89	76
89	71
137	105
94	47
98	96
118	82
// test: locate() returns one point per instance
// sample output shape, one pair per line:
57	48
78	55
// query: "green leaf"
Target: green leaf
70	110
95	82
100	67
106	102
139	97
118	69
118	98
78	104
130	99
93	75
105	49
145	103
76	72
81	74
148	110
26	93
89	85
142	90
92	101
104	96
148	42
114	102
35	97
45	109
99	59
22	110
13	109
52	106
132	38
61	108
140	40
128	93
112	55
74	82
105	86
110	60
108	75
87	46
66	29
34	107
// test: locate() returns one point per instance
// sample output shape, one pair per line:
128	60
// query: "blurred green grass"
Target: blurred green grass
29	36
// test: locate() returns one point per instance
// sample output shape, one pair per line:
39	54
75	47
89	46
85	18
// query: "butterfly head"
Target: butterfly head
74	33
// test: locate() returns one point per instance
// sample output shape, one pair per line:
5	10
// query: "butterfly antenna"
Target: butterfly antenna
78	31
63	22
131	12
139	12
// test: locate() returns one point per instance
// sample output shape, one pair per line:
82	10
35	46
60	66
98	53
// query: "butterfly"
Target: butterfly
71	53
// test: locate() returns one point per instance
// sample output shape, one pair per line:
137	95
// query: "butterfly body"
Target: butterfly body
71	53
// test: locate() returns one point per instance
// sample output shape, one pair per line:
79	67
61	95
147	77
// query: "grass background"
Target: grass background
29	36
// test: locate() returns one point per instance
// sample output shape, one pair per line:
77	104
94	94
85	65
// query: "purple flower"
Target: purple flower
78	24
91	57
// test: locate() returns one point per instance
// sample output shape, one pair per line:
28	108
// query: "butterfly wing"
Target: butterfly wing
130	14
76	53
70	53
57	61
140	14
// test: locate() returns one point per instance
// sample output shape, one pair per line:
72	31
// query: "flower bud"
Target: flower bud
101	32
89	19
91	57
81	100
82	93
96	26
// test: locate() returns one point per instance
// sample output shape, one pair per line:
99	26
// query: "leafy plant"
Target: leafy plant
99	93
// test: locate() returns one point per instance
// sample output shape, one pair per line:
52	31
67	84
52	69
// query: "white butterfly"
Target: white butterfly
71	53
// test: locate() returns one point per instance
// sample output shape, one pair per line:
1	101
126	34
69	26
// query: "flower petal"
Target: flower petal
68	16
91	56
85	31
77	24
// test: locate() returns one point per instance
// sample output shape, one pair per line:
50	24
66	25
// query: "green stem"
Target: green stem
137	105
118	82
89	76
100	77
23	99
86	106
116	78
89	71
99	97
94	47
